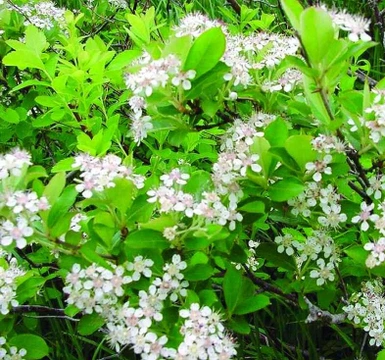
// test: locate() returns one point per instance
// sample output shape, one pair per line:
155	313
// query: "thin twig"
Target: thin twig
268	287
47	311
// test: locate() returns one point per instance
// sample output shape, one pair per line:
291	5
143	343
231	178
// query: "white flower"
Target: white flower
175	176
319	167
10	232
333	216
286	243
184	79
323	273
140	125
364	216
140	266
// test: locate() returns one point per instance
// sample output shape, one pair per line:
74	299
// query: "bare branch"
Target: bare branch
316	314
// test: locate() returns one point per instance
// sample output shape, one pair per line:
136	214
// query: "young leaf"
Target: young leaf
206	51
293	10
317	33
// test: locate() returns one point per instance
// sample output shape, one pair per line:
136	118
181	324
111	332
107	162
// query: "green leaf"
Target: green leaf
257	207
10	116
48	101
36	347
276	133
29	288
89	323
252	304
293	10
89	253
261	147
285	189
35	40
232	286
199	258
63	165
55	187
206	51
62	205
121	195
23	59
199	272
240	325
145	238
300	149
317	33
315	100
122	60
357	253
381	355
199	181
268	251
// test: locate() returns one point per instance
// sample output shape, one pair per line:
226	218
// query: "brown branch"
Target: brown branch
235	6
270	288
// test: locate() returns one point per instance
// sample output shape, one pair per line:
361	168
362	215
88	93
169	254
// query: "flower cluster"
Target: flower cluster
255	52
356	25
319	246
376	124
243	53
18	225
13	162
286	82
204	335
95	288
236	156
171	198
8	286
195	24
367	310
10	352
151	75
98	289
44	15
100	173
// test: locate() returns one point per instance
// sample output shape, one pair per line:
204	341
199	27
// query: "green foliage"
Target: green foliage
186	168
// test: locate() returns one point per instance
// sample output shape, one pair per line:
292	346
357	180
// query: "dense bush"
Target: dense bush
174	185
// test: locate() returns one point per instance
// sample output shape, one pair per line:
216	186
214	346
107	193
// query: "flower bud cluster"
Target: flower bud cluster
367	310
251	262
100	173
8	275
10	352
